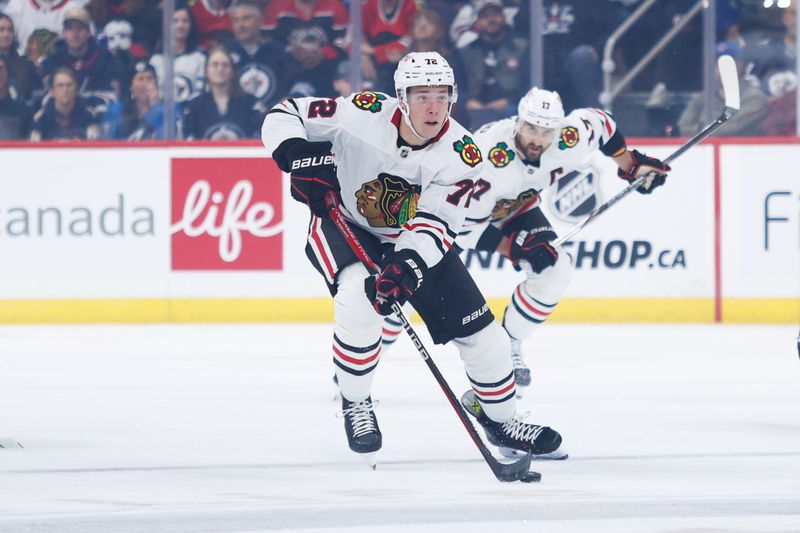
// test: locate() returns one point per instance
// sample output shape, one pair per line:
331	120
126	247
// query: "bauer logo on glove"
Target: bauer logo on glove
313	174
312	161
402	274
533	246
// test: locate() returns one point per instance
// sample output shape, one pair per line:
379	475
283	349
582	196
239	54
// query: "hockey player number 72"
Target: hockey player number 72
475	189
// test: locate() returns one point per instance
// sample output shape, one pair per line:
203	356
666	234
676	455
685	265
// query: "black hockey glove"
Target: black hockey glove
313	174
534	247
402	274
642	165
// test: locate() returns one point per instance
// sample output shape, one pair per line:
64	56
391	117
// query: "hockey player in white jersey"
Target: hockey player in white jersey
399	167
524	156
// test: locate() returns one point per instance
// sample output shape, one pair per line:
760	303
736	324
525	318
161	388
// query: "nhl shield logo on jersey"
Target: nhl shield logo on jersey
468	150
387	202
576	195
500	155
569	138
369	101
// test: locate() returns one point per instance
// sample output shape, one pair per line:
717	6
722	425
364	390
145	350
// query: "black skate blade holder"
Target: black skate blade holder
515	471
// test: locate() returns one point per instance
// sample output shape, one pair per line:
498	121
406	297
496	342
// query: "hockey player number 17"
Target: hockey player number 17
475	189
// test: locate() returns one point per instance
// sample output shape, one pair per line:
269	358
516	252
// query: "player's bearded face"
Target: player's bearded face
533	140
427	109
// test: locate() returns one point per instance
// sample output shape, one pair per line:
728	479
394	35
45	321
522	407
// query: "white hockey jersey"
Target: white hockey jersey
508	186
412	197
189	71
31	15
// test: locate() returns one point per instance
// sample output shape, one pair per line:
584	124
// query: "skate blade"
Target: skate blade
511	453
10	444
371	459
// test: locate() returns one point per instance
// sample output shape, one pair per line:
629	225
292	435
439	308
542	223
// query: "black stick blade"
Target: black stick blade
517	471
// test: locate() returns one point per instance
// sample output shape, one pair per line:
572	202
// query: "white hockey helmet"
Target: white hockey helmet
541	108
418	69
423	69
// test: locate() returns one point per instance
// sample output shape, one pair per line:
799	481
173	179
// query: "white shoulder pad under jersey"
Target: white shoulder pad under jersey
508	186
413	198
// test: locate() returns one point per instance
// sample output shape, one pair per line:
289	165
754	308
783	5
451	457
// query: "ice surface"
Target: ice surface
233	429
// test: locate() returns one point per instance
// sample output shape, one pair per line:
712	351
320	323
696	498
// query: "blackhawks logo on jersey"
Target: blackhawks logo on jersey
388	201
468	150
569	138
500	155
369	101
505	207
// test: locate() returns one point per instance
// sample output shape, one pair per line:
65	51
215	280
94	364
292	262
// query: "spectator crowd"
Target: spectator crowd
94	69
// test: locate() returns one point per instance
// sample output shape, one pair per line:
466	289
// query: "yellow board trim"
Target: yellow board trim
761	310
261	310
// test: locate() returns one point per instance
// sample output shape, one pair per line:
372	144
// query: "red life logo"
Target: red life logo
226	214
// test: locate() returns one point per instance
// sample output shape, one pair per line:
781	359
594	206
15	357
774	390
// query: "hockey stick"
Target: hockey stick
730	87
517	471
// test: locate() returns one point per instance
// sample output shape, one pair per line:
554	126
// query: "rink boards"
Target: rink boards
208	233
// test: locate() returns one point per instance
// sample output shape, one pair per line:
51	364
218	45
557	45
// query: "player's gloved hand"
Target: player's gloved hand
402	274
642	165
533	246
313	174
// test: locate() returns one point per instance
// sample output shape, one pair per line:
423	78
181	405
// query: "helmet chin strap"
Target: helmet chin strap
407	119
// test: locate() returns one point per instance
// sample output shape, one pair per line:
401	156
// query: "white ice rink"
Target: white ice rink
233	429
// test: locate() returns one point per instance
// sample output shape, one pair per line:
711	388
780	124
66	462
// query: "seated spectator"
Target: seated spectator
312	72
747	122
342	83
386	28
574	36
144	17
98	72
462	22
30	16
429	33
40	45
213	21
189	60
140	117
782	118
328	18
261	65
15	117
224	111
65	116
772	60
118	35
23	77
495	66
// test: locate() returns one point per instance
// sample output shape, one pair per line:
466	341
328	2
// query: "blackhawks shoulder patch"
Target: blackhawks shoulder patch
468	150
369	101
569	138
501	155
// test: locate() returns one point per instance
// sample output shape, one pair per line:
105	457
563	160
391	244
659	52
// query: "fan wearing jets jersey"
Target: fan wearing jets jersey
398	166
523	156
